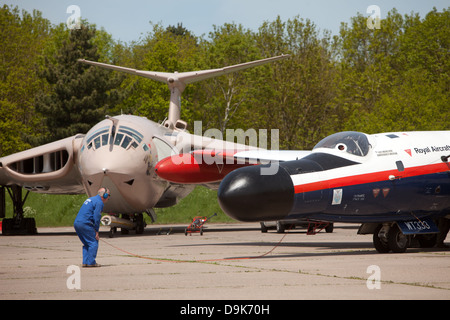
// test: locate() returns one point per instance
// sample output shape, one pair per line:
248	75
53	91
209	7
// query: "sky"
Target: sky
128	20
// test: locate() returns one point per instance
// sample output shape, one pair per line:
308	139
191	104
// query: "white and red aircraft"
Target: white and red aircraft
392	183
121	153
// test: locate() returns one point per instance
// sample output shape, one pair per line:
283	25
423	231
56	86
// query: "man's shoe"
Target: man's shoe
92	265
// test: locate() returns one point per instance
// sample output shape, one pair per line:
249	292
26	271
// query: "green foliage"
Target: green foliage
10	129
297	93
226	99
162	50
78	98
23	38
395	78
200	202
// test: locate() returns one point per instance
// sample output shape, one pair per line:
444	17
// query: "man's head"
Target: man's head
104	193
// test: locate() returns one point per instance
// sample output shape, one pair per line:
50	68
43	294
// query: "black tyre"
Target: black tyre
280	227
397	241
263	227
140	223
380	244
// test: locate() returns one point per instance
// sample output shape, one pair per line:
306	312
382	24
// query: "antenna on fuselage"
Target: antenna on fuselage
177	82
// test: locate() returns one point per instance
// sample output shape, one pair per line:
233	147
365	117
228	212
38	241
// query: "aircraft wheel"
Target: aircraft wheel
329	228
139	223
263	227
380	241
112	231
397	241
24	226
7	226
280	227
125	230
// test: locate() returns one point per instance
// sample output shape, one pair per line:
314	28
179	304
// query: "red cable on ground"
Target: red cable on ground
206	260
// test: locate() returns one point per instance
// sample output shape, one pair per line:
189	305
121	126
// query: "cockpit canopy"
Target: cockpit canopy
125	137
355	143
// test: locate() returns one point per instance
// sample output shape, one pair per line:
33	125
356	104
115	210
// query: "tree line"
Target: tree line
395	78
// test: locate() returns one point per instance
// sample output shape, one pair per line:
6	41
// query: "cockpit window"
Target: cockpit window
126	141
131	132
119	137
96	134
105	139
355	143
97	142
125	137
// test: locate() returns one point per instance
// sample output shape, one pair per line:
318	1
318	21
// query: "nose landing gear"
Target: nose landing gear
125	223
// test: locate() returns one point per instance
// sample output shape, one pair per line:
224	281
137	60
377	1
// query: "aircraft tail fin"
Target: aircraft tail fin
177	81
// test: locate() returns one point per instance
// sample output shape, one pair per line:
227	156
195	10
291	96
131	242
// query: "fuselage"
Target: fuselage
120	153
351	177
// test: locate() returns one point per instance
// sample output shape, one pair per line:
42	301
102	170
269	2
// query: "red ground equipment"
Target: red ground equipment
197	225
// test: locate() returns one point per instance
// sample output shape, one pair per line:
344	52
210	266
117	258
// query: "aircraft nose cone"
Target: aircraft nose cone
247	195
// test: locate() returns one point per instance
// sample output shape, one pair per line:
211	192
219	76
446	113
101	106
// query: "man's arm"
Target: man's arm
97	215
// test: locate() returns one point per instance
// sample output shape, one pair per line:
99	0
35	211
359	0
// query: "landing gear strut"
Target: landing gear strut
18	224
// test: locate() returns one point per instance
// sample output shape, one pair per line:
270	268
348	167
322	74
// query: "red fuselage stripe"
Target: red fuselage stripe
372	177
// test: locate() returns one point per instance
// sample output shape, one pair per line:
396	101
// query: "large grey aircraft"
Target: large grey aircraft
122	153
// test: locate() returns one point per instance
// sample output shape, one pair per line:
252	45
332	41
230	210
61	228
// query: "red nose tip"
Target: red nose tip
187	168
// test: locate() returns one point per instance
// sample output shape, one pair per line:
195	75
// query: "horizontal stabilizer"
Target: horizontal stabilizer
177	82
185	77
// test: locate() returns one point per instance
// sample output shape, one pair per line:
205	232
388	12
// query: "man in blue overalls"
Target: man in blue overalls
87	224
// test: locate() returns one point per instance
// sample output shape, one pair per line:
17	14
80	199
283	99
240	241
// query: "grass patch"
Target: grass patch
201	202
61	210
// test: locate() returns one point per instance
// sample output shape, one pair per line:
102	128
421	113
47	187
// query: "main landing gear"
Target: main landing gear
18	224
388	237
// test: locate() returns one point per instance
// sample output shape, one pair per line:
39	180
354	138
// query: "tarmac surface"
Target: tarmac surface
229	261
